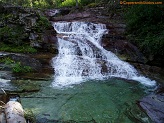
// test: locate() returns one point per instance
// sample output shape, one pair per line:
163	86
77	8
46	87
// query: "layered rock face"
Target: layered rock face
25	26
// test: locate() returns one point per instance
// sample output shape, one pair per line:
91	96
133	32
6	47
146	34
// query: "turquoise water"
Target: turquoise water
109	101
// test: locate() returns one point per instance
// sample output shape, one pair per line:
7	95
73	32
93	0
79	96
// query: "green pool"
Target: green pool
108	101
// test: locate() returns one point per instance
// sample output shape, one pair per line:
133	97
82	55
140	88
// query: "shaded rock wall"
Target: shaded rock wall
20	26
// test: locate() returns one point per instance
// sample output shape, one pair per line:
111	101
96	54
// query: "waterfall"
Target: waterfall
81	56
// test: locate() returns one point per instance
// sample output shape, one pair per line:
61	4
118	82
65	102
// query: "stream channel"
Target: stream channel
90	84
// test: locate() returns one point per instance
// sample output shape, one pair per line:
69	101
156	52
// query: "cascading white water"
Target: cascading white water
81	56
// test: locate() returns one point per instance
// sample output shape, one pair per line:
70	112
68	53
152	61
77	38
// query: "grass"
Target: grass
17	49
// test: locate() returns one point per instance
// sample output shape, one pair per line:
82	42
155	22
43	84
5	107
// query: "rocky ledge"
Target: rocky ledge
153	105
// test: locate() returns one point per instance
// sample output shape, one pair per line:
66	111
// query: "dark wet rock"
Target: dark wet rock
45	59
24	60
19	15
44	73
124	49
50	41
57	12
39	62
153	105
72	17
160	89
6	75
116	42
52	12
68	14
9	96
47	42
153	72
156	60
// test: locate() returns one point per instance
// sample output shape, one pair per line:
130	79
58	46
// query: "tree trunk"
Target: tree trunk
77	4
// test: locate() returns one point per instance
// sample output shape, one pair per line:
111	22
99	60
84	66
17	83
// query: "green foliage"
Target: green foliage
34	3
52	3
42	24
17	49
145	24
92	5
73	2
30	116
86	2
16	66
154	44
12	35
7	61
68	3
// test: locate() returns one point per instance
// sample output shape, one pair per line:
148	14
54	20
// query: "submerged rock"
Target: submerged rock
25	86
